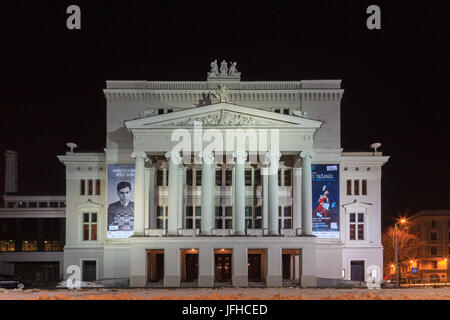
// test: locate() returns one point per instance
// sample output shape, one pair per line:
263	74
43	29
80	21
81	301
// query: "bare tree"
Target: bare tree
408	244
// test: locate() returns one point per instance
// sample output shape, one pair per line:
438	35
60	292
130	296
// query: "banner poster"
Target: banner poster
325	200
120	200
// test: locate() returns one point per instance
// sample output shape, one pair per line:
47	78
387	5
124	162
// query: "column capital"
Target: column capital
240	156
307	154
140	154
208	157
174	157
273	156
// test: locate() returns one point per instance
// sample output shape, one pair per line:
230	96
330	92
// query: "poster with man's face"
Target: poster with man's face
120	200
325	200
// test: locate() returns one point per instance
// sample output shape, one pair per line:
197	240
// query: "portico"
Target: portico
259	205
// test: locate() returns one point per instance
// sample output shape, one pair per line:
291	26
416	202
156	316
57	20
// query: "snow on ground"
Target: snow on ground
228	294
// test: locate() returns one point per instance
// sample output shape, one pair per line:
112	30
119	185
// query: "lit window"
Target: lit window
90	187
89	226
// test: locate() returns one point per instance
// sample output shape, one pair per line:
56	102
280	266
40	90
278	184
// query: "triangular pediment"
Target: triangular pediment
222	115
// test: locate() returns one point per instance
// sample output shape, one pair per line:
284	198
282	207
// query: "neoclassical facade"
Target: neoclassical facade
229	182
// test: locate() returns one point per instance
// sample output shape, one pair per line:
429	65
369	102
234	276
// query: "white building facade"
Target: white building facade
235	214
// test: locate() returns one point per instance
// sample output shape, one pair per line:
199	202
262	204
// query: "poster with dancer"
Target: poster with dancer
325	200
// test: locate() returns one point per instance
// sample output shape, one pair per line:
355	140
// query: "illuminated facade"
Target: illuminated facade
218	217
431	262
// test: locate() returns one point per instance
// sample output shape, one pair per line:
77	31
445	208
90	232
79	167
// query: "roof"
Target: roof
431	213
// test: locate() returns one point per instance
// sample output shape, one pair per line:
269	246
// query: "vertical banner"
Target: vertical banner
325	200
120	200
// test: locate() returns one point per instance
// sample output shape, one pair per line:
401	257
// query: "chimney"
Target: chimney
11	167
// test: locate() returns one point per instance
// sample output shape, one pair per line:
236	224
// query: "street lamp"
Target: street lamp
396	255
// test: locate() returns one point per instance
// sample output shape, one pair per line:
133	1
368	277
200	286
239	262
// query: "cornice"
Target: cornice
236	95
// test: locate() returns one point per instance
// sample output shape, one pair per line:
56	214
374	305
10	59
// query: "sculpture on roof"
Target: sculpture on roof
223	69
233	71
225	72
222	93
214	69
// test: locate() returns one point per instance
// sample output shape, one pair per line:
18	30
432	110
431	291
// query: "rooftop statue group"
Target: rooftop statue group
224	70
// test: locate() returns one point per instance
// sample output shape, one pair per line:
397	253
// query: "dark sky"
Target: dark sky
395	79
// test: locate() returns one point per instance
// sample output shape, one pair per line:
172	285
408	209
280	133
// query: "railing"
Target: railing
295	232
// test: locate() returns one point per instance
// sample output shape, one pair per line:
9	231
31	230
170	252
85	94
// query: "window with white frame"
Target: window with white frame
161	217
224	217
356	226
285	217
89	226
193	221
87	187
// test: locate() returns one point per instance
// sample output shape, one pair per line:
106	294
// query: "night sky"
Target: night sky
396	79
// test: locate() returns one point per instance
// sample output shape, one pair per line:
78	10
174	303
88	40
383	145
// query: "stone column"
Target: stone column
306	193
273	192
207	192
151	202
206	266
139	192
265	217
172	215
296	197
274	267
181	184
240	267
240	191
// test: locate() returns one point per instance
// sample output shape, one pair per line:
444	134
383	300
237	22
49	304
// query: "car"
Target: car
11	281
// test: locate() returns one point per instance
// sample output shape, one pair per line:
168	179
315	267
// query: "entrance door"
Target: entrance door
254	267
89	270
357	270
159	266
286	258
191	267
223	267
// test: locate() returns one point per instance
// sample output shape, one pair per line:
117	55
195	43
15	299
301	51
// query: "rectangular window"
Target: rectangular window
248	177
53	204
279	177
257	177
356	226
160	111
32	204
29	245
189	211
356	187
433	251
433	236
433	224
287	178
97	187
352	232
228	177
433	264
198	211
219	177
364	187
277	110
90	187
89	226
286	111
82	187
198	177
189	177
161	217
349	187
159	178
43	204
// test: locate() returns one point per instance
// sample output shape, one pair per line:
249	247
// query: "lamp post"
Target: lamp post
396	255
